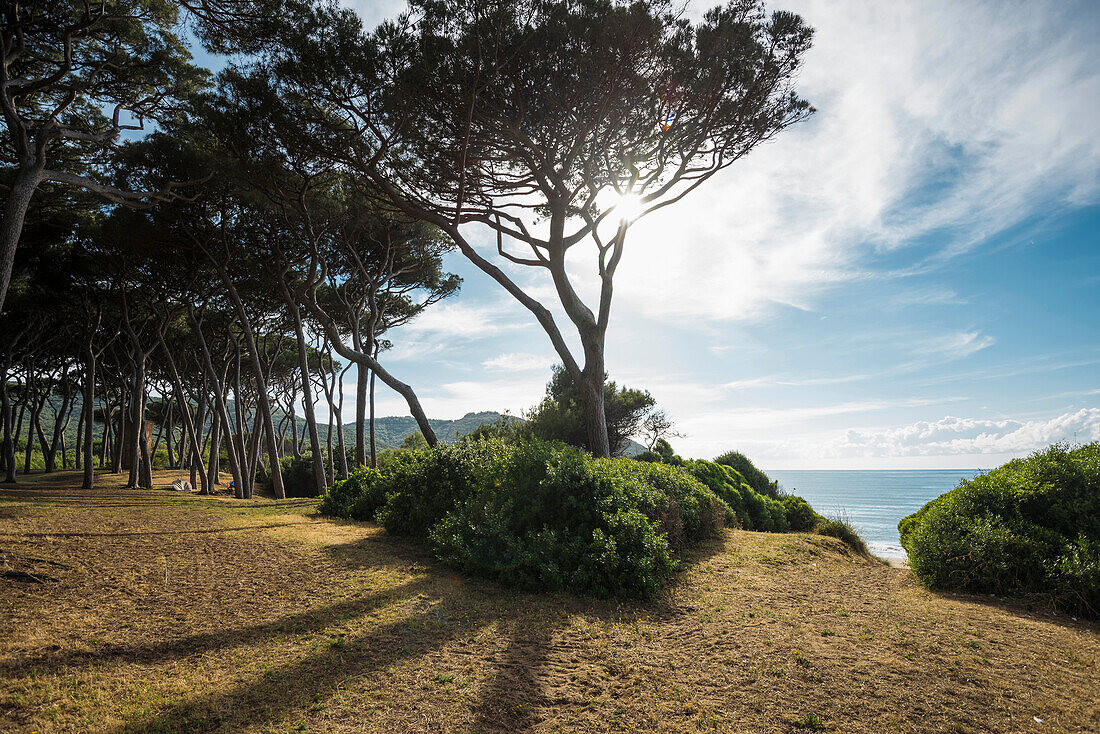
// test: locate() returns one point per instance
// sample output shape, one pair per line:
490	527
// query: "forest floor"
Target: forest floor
154	611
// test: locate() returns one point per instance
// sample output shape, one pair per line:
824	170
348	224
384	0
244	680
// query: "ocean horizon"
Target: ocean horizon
873	500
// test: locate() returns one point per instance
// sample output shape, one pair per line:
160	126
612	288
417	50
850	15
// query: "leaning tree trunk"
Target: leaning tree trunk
15	211
307	398
188	424
9	439
222	411
262	400
365	360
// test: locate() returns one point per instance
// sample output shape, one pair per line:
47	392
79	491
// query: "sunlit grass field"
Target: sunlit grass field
153	611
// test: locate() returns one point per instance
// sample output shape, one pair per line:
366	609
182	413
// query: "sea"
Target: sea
872	501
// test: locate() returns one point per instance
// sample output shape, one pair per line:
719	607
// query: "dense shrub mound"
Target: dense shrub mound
539	515
1030	526
758	480
754	511
298	476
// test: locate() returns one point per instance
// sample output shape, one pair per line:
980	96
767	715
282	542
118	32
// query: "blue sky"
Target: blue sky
911	279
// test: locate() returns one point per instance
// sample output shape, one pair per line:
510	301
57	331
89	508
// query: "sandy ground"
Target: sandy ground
162	612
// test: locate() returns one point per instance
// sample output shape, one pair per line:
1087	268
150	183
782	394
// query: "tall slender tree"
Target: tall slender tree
552	124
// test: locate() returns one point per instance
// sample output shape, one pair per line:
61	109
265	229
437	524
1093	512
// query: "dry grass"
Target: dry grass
272	619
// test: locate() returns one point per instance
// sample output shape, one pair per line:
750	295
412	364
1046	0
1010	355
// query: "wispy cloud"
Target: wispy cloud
932	296
519	362
796	382
444	325
953	346
928	132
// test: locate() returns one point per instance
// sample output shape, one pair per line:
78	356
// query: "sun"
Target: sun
627	206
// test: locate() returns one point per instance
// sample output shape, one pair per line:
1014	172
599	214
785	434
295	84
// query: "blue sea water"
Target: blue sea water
873	501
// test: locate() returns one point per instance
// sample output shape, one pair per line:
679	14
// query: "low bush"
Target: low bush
841	528
753	510
356	498
800	516
1031	526
539	515
298	478
758	480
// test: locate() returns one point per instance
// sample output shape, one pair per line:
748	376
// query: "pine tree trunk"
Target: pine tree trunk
15	211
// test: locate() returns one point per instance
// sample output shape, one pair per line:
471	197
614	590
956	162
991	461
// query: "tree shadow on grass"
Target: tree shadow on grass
511	701
303	682
406	621
138	533
314	620
1037	607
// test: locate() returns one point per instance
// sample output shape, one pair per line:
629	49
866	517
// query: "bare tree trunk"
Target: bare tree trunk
340	425
145	469
36	410
119	432
307	397
328	440
60	423
360	417
263	403
373	431
168	439
189	426
15	211
6	418
592	399
137	417
215	451
219	397
78	453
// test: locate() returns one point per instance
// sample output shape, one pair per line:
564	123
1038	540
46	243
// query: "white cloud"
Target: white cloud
956	120
953	345
776	381
933	296
443	325
950	436
519	362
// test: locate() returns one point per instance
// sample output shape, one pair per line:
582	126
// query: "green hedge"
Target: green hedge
539	515
758	480
1031	526
753	510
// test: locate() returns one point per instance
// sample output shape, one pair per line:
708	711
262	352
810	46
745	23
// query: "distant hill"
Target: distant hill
390	431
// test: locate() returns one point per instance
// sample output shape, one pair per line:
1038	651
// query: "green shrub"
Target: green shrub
539	515
423	486
758	480
298	478
699	510
841	528
1031	526
548	516
356	498
38	462
160	458
800	516
754	511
